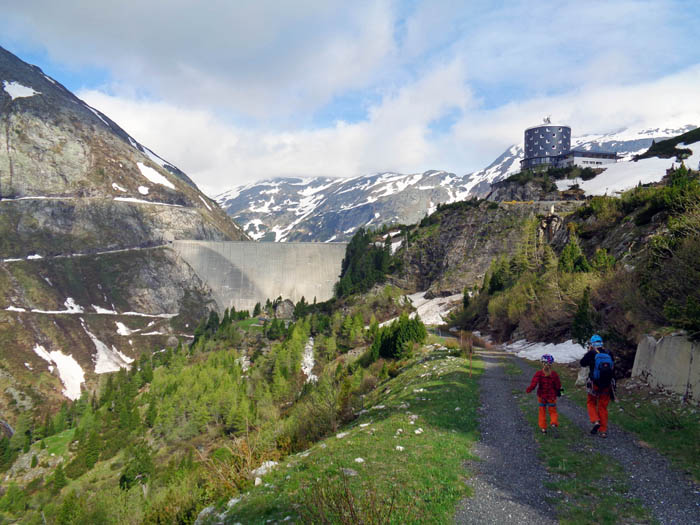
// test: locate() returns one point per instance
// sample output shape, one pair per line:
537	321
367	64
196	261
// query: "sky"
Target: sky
233	91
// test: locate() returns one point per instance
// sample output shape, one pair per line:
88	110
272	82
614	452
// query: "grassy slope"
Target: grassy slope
426	478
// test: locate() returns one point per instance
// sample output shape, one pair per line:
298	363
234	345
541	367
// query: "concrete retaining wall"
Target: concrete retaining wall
241	274
672	362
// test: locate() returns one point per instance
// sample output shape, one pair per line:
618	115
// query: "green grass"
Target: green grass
592	486
249	324
672	429
425	480
58	443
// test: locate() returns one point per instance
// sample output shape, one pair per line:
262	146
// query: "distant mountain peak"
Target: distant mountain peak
327	209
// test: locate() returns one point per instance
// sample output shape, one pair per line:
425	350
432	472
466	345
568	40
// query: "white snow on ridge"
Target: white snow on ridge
117	187
143	190
17	90
205	202
97	114
566	352
153	176
70	372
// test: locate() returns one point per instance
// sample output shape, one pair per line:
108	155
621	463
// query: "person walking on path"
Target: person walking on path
600	384
548	388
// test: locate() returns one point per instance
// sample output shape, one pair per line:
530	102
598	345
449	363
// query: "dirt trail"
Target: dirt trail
509	481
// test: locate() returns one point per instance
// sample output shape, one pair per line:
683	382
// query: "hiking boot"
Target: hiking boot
603	434
543	430
595	428
555	430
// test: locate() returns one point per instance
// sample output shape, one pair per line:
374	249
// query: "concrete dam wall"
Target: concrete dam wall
241	274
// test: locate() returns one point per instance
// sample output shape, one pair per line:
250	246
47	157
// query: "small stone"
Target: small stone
359	460
457	409
348	471
399	448
258	481
341	435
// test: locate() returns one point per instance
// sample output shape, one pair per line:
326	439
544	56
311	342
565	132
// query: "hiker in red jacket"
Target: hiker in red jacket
548	388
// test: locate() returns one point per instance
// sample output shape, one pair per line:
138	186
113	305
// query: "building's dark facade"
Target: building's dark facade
549	145
544	143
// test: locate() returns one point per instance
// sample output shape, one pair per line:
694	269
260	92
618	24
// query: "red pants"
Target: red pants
598	409
551	406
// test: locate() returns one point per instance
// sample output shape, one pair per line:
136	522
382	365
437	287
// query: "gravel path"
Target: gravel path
509	480
671	497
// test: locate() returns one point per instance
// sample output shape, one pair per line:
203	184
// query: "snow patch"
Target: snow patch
100	310
153	176
566	352
122	329
107	359
143	190
307	361
622	176
70	372
17	90
117	187
15	309
141	201
205	202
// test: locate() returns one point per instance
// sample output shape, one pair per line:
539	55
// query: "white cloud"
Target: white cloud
264	58
231	92
396	135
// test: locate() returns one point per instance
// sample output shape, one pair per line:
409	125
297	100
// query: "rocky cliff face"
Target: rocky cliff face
87	281
454	249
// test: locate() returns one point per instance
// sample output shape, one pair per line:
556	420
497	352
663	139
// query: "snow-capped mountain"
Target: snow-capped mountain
332	209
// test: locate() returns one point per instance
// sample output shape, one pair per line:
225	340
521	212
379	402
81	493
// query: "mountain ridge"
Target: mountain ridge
280	210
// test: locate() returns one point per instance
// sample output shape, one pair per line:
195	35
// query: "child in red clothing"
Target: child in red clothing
548	388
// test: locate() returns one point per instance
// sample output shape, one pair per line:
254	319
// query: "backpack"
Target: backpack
603	370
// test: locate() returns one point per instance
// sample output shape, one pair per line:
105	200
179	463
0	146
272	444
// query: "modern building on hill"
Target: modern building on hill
549	145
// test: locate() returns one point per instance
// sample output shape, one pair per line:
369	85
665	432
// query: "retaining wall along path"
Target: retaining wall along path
672	362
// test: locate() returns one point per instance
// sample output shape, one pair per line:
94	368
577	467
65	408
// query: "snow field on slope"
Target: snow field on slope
154	176
431	311
17	90
622	176
70	372
566	352
307	361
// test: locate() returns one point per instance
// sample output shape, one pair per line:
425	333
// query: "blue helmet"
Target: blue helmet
596	341
548	359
